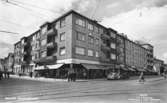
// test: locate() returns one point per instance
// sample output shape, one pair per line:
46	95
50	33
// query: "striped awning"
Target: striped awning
131	69
57	66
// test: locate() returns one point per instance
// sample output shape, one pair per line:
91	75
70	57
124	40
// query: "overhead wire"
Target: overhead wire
28	9
35	6
3	31
94	12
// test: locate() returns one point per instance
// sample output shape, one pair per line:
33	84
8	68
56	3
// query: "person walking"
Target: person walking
141	77
1	75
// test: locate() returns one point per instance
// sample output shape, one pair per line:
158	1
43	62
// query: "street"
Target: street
122	91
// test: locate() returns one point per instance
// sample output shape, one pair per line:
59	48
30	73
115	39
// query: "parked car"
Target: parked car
116	76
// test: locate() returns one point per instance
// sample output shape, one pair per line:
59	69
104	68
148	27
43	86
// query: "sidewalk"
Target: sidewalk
43	79
134	78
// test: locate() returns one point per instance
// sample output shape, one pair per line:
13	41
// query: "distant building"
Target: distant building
136	55
159	65
9	62
1	64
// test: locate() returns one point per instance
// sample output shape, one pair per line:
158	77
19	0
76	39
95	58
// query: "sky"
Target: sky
139	19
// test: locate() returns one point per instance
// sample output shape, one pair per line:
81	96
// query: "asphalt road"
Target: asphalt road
96	91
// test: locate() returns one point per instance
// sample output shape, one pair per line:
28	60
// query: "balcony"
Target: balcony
52	31
105	48
46	60
51	45
105	37
25	53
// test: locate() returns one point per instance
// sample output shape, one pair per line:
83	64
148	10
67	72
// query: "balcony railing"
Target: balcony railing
46	60
52	31
52	45
104	47
105	36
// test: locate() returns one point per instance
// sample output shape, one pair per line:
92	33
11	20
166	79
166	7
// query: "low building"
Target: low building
9	63
159	66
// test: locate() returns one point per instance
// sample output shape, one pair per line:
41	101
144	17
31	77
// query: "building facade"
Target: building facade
75	43
136	55
159	66
71	41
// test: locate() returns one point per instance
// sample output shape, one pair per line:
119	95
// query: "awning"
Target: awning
54	66
39	68
123	68
140	70
131	69
149	70
94	66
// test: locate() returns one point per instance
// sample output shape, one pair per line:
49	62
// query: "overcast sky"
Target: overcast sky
139	19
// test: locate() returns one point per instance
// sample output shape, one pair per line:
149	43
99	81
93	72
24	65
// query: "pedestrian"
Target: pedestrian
164	75
141	77
1	75
8	74
69	76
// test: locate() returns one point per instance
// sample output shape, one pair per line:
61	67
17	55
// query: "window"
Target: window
57	25
101	30
43	42
90	26
62	51
62	22
43	30
81	36
90	34
90	39
97	41
90	52
62	36
112	35
112	56
96	29
43	54
80	50
112	45
80	22
97	54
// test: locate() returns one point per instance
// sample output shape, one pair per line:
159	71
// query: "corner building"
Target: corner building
72	42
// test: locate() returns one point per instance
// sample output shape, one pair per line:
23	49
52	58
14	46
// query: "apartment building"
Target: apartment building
150	55
158	66
136	55
120	51
1	64
22	56
72	41
9	62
